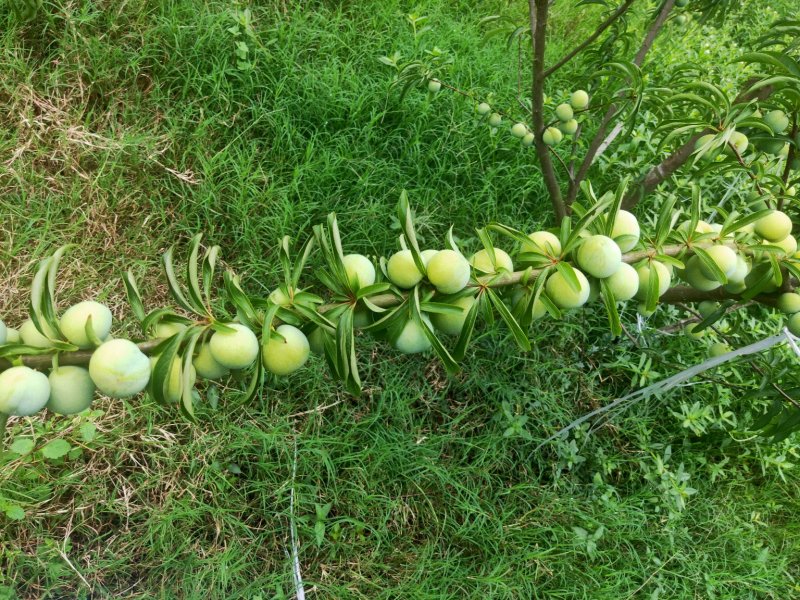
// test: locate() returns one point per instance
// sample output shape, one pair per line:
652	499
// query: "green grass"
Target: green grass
126	127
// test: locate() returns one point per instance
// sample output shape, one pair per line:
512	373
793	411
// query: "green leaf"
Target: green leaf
568	273
172	282
611	308
55	449
134	297
371	290
737	224
22	446
407	223
300	263
519	335
466	330
14	512
651	297
244	307
192	276
708	262
450	364
162	372
88	432
209	267
187	397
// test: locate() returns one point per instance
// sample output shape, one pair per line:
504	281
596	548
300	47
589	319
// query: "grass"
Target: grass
127	127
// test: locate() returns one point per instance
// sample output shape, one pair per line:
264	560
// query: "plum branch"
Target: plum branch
674	295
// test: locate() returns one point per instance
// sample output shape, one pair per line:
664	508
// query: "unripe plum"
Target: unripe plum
579	100
448	271
434	85
483	262
528	139
681	20
13	336
700	227
718	349
774	227
402	270
681	3
23	391
32	337
563	295
495	120
794	324
644	271
736	287
625	231
483	109
702	141
236	349
206	365
642	309
693	274
412	338
707	307
788	245
599	256
119	369
739	142
174	387
427	255
282	357
741	270
71	390
452	324
166	329
279	297
552	136
789	303
722	256
624	283
519	130
689	330
564	112
569	127
777	121
316	341
73	322
543	242
359	269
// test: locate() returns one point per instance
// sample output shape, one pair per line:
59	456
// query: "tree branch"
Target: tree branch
597	140
684	293
674	161
538	20
598	32
674	295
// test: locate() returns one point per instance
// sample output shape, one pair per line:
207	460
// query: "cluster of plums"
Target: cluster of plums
553	134
119	369
776	120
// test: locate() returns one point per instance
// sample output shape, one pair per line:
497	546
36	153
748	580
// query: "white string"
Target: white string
296	575
663	386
